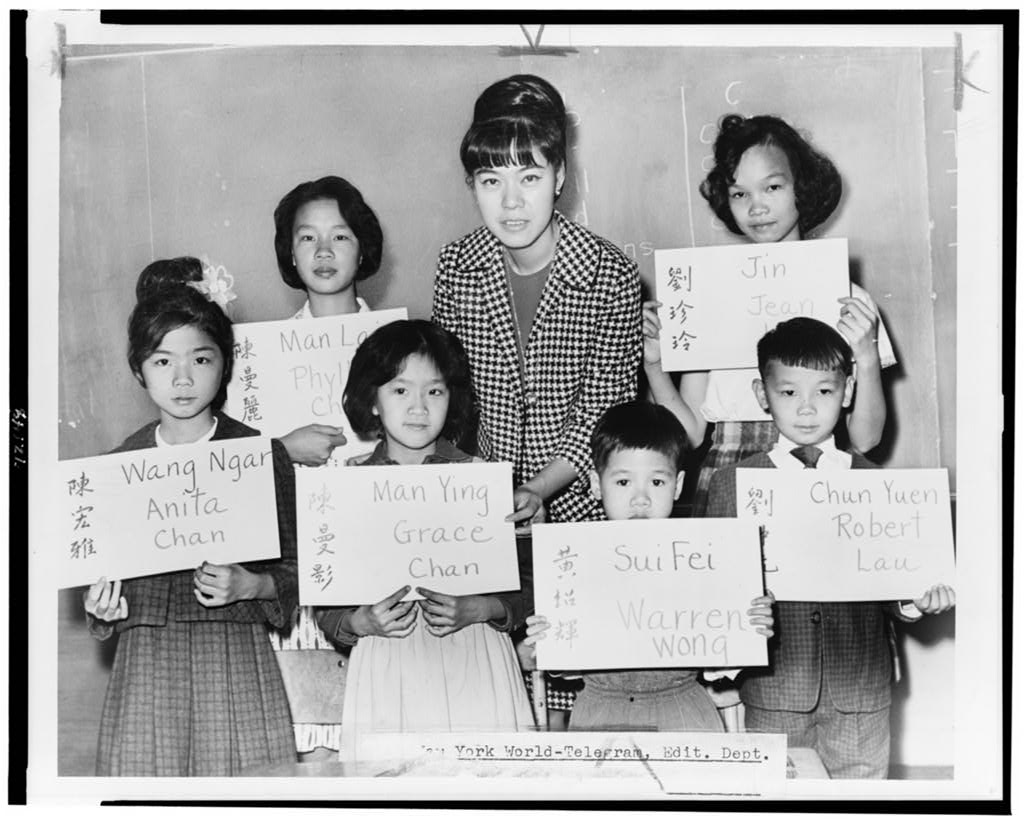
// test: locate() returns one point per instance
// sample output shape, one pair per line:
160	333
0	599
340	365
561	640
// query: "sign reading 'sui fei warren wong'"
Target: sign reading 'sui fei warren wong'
159	510
292	373
850	535
364	532
718	301
647	594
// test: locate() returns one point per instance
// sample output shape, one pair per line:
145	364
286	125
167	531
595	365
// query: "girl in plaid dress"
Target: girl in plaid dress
549	313
768	185
194	689
444	662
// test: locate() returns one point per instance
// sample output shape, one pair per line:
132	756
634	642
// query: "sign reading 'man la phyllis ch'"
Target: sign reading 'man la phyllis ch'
291	373
162	509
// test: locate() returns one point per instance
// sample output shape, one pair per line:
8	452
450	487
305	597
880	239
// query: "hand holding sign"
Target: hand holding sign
216	585
312	445
389	618
104	601
937	599
858	323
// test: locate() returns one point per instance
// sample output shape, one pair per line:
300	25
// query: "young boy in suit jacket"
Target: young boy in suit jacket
829	681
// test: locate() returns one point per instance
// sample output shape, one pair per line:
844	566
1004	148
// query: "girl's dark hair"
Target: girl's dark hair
380	358
803	342
354	210
511	118
638	425
167	302
817	184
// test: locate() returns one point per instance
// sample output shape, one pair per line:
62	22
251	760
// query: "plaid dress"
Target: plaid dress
196	691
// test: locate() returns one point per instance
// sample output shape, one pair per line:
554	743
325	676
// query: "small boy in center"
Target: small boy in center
828	685
638	449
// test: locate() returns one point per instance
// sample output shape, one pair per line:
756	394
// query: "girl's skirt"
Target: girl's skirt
466	681
731	442
194	699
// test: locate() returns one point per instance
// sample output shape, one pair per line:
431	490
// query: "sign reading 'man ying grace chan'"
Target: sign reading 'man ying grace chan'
718	301
364	532
647	594
292	373
159	510
850	535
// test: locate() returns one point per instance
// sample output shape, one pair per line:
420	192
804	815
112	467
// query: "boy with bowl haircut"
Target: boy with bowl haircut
828	683
637	449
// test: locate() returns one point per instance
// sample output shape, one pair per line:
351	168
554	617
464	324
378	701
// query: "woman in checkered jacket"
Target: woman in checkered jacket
548	312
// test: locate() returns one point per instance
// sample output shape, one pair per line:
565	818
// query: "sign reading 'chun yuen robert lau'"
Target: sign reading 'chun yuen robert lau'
647	594
718	301
364	532
850	535
158	510
292	373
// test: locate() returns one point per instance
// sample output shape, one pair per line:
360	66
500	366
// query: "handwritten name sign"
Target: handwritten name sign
647	594
366	531
292	373
717	302
163	509
851	535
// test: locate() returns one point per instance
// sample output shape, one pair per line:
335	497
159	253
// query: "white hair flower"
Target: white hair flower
216	284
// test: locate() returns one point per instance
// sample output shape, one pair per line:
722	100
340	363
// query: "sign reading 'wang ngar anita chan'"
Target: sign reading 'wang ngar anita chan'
850	535
718	301
647	594
292	373
366	531
159	510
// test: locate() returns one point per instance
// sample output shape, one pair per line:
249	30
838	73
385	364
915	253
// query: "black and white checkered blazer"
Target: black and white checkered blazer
582	355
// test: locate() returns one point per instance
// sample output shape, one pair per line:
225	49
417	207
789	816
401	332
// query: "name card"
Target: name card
718	301
647	594
290	373
648	763
159	510
850	535
364	532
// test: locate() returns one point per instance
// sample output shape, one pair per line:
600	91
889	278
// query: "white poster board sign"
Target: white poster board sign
850	535
718	301
159	510
290	373
647	594
364	532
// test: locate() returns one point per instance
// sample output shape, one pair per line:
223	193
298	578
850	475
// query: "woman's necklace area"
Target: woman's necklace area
519	272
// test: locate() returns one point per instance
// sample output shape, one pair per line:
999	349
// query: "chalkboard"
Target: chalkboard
188	152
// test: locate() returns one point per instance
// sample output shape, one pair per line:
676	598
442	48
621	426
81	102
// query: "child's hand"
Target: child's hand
529	509
446	614
390	618
937	599
215	585
858	323
536	628
760	614
312	445
104	601
652	332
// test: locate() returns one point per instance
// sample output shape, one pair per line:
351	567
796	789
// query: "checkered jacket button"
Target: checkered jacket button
816	617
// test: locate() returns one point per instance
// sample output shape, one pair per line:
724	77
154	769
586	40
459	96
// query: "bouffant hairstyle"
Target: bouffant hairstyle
167	302
353	208
512	118
638	425
381	357
803	342
817	184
